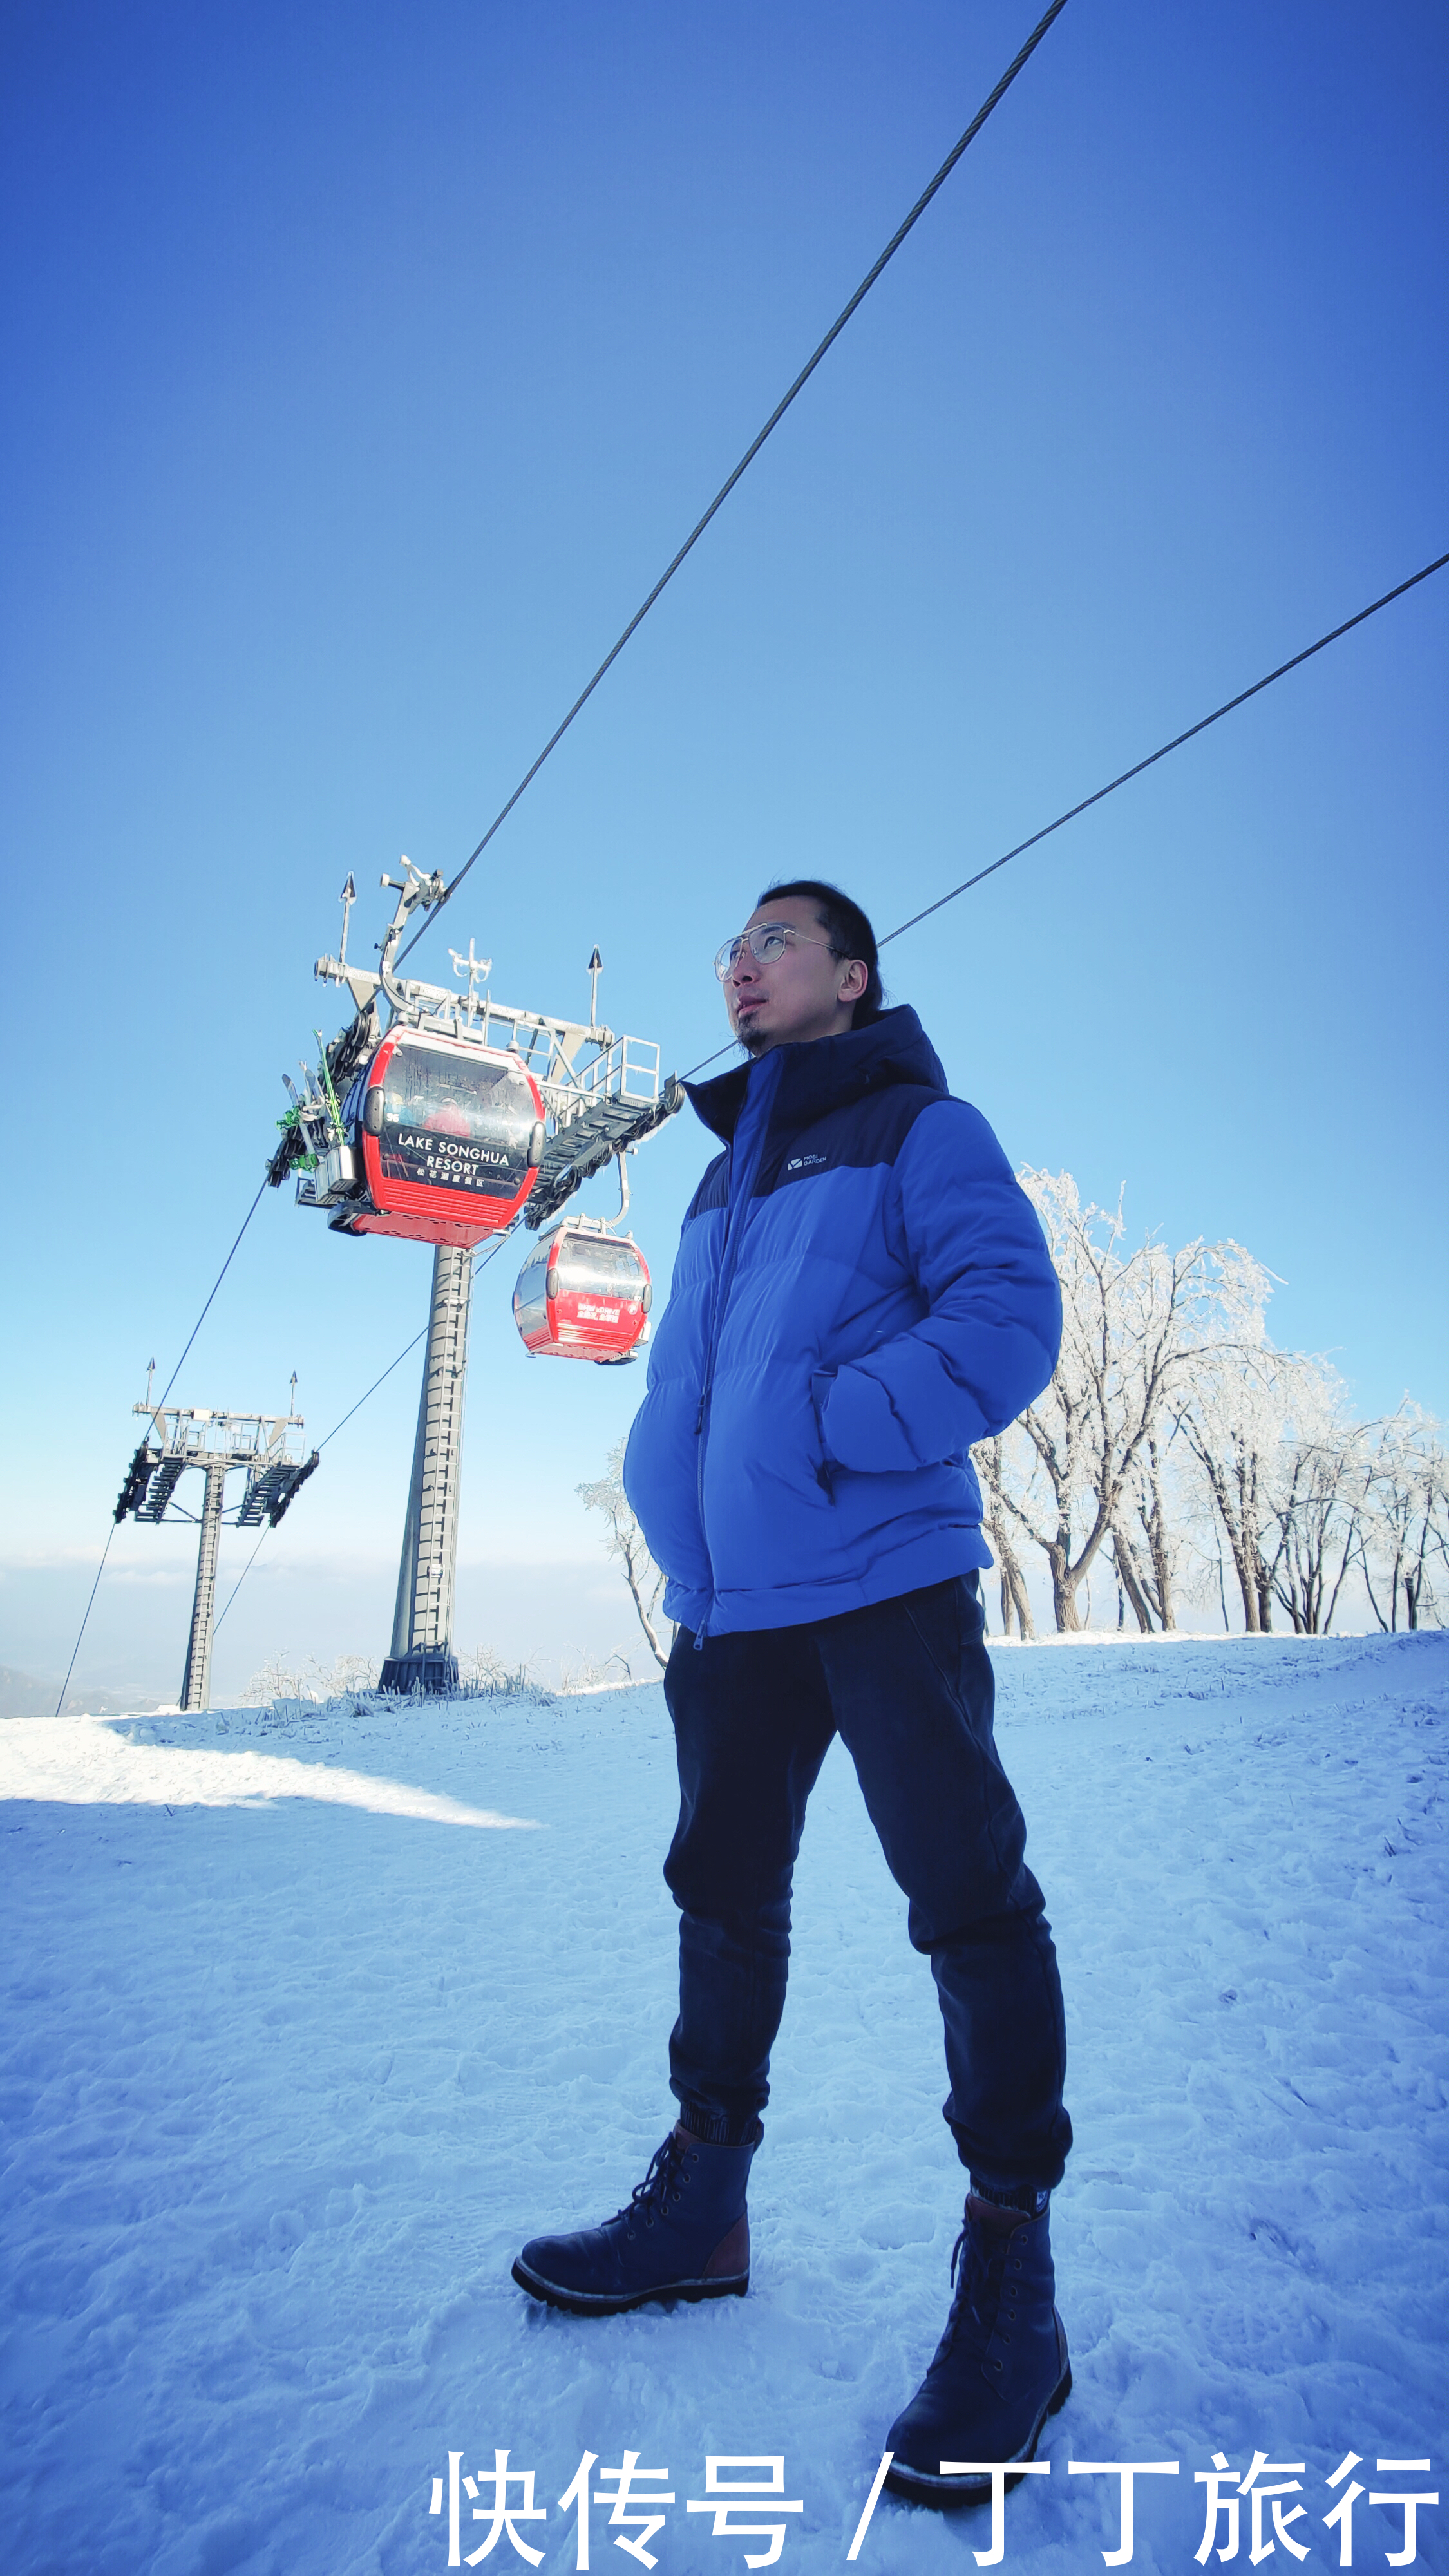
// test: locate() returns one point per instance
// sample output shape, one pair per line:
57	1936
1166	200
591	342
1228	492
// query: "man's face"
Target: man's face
806	992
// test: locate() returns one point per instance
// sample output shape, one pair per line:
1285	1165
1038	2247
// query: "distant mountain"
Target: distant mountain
21	1695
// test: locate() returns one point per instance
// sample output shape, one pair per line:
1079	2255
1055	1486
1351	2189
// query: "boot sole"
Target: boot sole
916	2487
610	2303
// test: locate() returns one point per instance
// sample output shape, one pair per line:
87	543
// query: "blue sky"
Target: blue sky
366	367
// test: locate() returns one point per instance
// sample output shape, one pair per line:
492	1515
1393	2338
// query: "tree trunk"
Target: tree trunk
1064	1589
1013	1583
631	1577
1161	1558
1127	1577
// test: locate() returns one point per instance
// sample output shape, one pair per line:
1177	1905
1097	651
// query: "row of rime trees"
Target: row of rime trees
1177	1452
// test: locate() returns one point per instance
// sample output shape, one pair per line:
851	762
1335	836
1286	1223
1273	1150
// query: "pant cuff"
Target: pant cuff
719	2128
1031	2197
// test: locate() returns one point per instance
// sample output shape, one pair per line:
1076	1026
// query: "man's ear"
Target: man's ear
854	979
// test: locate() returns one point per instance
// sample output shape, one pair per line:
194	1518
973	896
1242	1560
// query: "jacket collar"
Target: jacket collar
828	1073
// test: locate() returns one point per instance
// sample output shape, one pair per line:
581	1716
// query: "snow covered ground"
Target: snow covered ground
310	2017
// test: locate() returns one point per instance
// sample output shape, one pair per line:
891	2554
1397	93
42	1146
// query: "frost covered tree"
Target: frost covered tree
1148	1544
1317	1485
625	1543
1170	1413
1232	1419
350	1677
1405	1528
352	1674
1015	1599
1285	1471
1077	1470
281	1680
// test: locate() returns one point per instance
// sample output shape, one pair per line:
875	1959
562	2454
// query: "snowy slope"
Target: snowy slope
311	2017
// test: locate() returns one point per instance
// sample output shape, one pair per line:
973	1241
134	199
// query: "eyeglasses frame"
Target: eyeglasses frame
728	954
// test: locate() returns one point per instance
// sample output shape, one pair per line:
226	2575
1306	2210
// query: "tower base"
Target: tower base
431	1671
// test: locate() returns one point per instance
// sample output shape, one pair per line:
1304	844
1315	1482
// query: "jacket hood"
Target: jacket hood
825	1073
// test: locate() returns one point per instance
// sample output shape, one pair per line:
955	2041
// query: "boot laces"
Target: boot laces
661	2184
978	2291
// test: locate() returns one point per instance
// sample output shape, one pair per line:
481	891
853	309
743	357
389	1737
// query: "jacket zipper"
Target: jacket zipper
736	1206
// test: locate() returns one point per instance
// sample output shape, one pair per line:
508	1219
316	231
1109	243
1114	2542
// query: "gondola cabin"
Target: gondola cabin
583	1294
451	1137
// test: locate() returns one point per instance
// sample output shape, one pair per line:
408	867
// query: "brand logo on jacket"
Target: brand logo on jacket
806	1162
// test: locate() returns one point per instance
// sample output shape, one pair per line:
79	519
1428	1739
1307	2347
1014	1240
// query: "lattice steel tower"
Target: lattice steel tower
422	1657
183	1436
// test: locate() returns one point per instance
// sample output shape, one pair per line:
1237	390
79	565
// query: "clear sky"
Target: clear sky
365	366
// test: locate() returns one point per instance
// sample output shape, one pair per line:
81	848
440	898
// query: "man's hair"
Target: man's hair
849	932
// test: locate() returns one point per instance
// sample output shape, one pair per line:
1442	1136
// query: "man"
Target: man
862	1292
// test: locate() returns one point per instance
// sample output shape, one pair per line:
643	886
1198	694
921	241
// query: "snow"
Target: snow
313	2015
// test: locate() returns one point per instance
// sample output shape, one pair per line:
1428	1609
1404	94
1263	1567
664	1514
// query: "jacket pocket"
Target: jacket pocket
827	1468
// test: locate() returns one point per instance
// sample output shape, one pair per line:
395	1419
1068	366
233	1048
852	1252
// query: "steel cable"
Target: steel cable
241	1578
171	1381
481	1263
748	458
1176	744
1135	771
216	1283
95	1587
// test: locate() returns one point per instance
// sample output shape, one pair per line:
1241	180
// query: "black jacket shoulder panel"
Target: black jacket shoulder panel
827	1072
851	1099
713	1190
871	1129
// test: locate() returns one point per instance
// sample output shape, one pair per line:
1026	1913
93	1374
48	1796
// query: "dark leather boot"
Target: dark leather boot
684	2235
1000	2368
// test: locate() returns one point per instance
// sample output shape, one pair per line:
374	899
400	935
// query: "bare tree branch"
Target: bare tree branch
625	1543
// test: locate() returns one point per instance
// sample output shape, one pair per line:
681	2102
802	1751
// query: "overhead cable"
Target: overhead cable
1137	769
216	1283
241	1578
1176	744
171	1381
751	452
372	1390
481	1261
75	1650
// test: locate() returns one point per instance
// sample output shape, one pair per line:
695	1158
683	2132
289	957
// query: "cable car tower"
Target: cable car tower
183	1436
442	1116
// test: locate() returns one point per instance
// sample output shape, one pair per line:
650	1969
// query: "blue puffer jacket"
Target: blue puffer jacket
862	1291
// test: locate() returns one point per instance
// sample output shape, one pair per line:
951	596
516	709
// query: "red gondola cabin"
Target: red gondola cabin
451	1136
583	1294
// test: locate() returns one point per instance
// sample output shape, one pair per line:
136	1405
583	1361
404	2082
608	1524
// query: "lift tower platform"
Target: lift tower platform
181	1437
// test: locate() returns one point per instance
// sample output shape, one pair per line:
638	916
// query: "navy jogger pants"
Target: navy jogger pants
908	1685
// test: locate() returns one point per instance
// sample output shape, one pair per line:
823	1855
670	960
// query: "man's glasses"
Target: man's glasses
767	943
